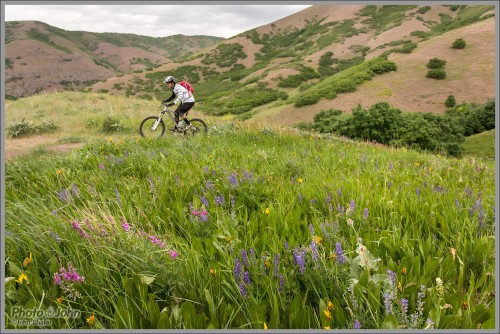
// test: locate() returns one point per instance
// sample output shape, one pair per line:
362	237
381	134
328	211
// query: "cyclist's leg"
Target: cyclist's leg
183	111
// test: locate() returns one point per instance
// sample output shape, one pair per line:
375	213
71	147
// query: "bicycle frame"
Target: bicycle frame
160	117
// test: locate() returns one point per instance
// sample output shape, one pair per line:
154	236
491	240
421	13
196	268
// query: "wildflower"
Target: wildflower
58	171
237	271
205	201
350	222
299	259
281	285
27	260
267	263
243	290
173	254
91	319
125	226
60	299
330	305
22	278
357	324
67	276
328	314
233	180
403	271
365	214
430	324
265	326
404	307
110	139
246	277
101	166
244	257
267	211
317	239
387	303
465	305
400	287
300	180
311	229
212	272
417	164
352	205
276	264
327	327
439	287
339	253
314	251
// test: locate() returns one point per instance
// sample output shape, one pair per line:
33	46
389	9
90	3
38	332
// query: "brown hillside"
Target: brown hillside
470	77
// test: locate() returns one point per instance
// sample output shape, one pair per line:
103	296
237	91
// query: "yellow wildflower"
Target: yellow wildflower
60	299
268	263
417	164
403	271
59	172
22	278
400	287
212	272
110	139
268	211
27	260
330	305
327	327
317	239
91	319
265	326
300	180
328	314
465	305
333	256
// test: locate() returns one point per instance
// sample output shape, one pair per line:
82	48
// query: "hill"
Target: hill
289	59
41	57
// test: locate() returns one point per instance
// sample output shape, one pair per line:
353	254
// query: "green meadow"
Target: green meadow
247	228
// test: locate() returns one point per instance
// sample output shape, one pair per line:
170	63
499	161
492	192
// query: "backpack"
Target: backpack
188	86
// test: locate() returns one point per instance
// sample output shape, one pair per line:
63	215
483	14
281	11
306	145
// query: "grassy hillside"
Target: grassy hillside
481	145
250	229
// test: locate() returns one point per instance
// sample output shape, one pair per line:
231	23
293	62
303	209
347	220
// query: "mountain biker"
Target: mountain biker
184	96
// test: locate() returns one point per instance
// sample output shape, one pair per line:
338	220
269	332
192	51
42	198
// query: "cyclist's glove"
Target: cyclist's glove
164	101
170	104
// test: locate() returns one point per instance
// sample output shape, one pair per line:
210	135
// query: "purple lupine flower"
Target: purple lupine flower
300	198
204	201
252	256
205	169
390	166
340	209
392	278
468	191
314	251
339	192
75	190
177	179
281	284
387	303
311	229
404	307
246	278
209	184
340	253
219	200
244	257
276	264
243	290
233	180
328	198
299	258
352	205
357	324
248	175
457	203
237	271
418	191
313	201
63	195
365	214
204	216
285	244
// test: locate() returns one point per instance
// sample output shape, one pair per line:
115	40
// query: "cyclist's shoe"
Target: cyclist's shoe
190	126
173	129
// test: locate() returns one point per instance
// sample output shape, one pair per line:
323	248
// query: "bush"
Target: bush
307	100
47	126
435	63
436	74
459	44
111	125
450	101
20	129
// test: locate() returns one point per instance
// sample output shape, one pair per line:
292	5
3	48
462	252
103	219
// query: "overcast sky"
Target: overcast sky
154	20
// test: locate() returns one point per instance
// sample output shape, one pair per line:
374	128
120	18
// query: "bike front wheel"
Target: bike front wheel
147	129
198	128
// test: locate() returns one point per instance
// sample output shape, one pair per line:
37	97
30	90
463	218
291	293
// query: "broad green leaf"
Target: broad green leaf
211	306
390	322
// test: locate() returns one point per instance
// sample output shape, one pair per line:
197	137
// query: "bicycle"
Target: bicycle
154	126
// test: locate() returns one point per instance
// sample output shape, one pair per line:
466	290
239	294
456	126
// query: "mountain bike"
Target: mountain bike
154	126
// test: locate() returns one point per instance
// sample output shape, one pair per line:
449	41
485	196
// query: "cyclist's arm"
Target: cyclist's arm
171	97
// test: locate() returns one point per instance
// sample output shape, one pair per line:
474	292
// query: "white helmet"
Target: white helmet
169	79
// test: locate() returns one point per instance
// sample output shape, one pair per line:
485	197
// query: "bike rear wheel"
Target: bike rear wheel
146	127
198	128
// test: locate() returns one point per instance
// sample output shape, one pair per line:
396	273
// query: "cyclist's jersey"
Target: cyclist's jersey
183	95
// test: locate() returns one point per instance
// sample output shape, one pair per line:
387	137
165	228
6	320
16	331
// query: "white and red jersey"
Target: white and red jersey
183	95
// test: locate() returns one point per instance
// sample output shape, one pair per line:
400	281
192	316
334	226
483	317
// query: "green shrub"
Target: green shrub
450	101
436	74
21	129
47	126
307	100
458	44
111	125
423	10
435	63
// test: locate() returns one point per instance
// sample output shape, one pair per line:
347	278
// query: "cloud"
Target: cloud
154	20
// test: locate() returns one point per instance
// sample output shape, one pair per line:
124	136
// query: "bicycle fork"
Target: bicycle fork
153	128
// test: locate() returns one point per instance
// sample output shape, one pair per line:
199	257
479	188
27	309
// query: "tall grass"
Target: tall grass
251	229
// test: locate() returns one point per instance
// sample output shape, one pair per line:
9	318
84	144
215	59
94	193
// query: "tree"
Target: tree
459	44
450	101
